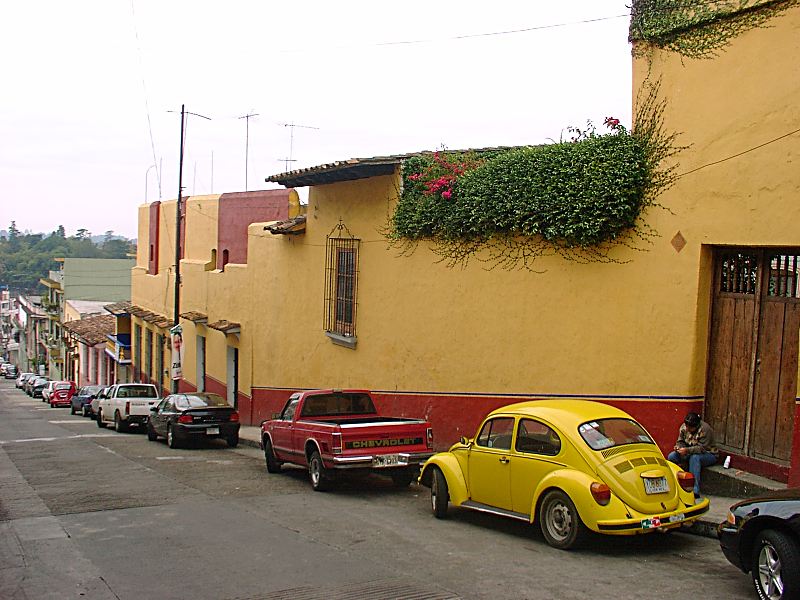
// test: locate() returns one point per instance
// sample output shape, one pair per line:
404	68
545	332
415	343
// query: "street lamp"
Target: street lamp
145	181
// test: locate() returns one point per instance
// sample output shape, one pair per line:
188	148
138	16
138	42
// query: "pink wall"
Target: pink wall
237	211
155	222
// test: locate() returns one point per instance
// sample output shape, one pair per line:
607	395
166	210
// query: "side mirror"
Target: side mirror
276	416
154	408
465	441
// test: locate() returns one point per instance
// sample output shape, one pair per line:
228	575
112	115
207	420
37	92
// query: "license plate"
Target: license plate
655	485
386	460
212	431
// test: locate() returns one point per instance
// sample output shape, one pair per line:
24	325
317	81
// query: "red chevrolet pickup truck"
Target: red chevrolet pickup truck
329	430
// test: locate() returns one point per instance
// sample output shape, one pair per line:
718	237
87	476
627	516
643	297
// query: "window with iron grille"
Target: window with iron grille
341	283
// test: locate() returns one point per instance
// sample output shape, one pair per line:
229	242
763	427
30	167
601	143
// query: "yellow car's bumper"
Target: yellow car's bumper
647	523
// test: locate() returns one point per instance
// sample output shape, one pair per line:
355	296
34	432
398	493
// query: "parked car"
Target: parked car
572	465
61	393
180	417
94	405
328	431
37	386
48	389
127	404
11	372
762	536
22	378
81	402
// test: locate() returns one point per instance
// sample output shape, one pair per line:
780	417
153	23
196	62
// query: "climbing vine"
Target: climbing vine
698	28
576	198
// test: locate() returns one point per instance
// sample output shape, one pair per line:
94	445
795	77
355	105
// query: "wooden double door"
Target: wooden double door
751	383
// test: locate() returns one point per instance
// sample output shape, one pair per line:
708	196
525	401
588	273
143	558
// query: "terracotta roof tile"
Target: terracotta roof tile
92	330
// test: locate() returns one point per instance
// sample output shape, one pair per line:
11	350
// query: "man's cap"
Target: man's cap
692	419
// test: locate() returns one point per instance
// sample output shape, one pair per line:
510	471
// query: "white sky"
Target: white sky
82	79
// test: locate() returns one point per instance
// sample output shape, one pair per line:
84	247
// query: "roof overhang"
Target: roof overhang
226	327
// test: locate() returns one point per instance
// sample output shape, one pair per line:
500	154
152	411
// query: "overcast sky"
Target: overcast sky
88	86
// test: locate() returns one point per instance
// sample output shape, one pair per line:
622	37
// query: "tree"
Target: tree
83	234
60	232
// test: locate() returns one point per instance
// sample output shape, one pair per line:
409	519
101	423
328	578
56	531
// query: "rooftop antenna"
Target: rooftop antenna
291	127
247	118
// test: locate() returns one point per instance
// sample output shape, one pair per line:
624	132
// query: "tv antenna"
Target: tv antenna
247	118
291	127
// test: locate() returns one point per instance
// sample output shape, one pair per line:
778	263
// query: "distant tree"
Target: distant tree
60	232
108	236
82	234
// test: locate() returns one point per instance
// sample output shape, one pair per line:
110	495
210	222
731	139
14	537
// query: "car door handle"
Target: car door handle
504	459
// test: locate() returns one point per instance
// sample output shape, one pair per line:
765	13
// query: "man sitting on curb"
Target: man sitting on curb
694	448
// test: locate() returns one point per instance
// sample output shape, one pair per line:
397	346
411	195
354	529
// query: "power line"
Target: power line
722	160
146	102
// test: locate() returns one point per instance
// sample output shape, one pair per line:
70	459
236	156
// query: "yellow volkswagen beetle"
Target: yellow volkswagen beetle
573	465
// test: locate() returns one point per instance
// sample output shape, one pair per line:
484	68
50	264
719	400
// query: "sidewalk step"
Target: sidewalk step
735	483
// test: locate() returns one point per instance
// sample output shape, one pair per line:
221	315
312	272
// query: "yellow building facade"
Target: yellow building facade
323	300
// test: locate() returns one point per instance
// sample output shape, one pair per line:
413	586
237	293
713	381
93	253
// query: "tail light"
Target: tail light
186	419
686	481
128	408
429	436
235	417
601	493
336	443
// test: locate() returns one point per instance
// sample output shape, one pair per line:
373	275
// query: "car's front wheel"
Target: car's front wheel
774	569
440	495
273	464
151	433
100	423
560	522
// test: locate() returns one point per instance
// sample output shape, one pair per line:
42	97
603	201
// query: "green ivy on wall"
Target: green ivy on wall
575	198
698	28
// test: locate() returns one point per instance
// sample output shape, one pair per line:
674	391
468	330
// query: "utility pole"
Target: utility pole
247	118
291	127
176	316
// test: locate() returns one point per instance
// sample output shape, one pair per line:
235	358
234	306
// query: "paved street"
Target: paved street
91	513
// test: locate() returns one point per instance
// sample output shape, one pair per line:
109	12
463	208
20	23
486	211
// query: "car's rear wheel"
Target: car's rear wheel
100	423
560	522
403	477
119	424
273	464
440	495
173	438
774	569
317	473
233	440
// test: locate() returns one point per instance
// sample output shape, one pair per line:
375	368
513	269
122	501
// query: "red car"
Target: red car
62	393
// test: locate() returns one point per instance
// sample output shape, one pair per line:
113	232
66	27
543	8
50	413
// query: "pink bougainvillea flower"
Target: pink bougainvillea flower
447	194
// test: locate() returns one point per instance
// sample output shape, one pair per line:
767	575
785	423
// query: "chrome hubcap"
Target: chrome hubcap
769	572
169	436
315	472
559	520
434	492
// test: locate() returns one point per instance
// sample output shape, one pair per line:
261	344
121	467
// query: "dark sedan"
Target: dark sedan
762	536
37	387
180	417
82	401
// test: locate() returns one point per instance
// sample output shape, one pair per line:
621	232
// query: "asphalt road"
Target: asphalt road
91	513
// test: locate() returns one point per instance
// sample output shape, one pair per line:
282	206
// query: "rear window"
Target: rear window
200	401
63	386
334	405
137	391
607	433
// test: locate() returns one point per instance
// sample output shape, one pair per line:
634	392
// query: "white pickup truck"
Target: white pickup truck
127	404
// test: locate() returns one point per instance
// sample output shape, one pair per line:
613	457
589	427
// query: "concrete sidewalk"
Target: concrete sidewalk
705	525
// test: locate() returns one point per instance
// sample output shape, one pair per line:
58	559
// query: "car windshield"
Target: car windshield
200	401
607	433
